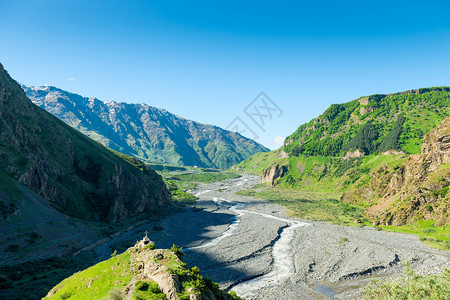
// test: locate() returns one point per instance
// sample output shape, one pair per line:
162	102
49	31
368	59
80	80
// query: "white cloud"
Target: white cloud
72	79
278	140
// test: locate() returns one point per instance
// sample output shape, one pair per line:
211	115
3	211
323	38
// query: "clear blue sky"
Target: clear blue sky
206	60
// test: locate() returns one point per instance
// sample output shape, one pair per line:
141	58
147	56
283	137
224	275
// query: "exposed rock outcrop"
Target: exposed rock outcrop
416	190
283	154
392	151
367	109
273	174
353	154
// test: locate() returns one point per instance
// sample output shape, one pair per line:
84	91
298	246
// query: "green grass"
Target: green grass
246	192
306	205
205	177
178	194
103	277
411	286
108	279
437	237
147	290
256	163
183	185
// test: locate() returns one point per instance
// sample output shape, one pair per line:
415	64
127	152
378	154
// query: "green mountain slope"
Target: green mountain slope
367	152
148	133
373	124
76	175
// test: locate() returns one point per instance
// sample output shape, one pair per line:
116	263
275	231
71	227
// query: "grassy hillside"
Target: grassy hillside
373	124
141	272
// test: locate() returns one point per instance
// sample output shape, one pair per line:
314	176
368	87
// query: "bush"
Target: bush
141	285
65	295
115	295
178	251
147	290
342	241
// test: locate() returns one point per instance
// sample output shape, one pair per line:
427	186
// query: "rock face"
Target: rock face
273	173
356	153
75	174
148	133
416	190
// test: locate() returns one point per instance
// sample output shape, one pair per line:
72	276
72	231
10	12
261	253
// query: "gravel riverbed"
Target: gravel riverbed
254	248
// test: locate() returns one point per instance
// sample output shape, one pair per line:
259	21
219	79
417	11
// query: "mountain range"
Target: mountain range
59	191
146	132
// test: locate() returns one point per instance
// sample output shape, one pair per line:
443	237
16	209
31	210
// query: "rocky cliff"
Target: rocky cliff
148	133
77	175
415	190
273	173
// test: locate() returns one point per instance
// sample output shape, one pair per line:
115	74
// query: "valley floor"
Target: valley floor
254	248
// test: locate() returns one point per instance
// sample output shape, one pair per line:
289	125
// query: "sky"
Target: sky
209	61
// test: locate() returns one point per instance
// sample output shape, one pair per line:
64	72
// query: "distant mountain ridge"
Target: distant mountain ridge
146	132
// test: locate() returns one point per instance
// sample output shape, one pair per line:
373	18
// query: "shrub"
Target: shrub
342	241
147	290
65	295
195	270
178	251
115	295
141	285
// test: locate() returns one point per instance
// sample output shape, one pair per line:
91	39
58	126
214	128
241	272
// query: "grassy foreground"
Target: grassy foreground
412	286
